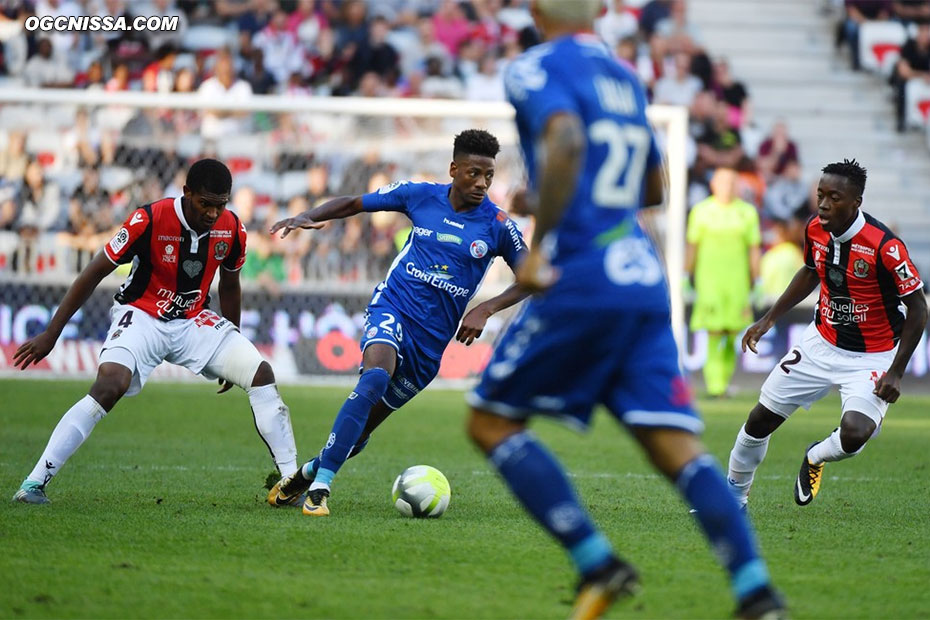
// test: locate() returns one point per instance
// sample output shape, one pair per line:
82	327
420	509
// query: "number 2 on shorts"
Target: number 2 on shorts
794	360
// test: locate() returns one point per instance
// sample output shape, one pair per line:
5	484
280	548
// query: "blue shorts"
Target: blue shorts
415	369
563	362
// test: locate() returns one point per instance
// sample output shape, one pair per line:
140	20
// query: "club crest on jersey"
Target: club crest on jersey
220	250
836	276
192	267
860	268
478	248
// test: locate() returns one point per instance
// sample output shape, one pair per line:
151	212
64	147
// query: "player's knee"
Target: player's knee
762	422
855	431
264	375
487	430
112	382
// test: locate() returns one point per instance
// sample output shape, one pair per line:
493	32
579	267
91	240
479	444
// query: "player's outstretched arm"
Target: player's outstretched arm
34	350
802	285
476	318
888	387
335	209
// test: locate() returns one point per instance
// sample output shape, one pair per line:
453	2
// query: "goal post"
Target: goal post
269	142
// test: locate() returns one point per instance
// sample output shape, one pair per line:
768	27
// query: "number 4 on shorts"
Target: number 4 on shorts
126	321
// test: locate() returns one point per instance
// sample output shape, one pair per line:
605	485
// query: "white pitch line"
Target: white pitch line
474	472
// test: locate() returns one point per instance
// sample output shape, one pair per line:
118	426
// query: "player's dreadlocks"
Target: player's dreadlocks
209	175
850	169
475	142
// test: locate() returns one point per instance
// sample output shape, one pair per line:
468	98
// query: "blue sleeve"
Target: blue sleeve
393	197
535	93
510	241
654	159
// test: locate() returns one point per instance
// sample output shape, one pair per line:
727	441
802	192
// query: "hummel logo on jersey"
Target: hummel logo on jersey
136	218
894	252
451	223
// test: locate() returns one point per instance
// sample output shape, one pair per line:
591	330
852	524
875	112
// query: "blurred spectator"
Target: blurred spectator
616	24
46	69
776	151
90	211
9	208
438	85
376	54
352	30
93	78
223	86
654	12
487	84
679	88
158	38
781	262
256	15
264	263
158	76
262	82
64	44
733	93
370	85
41	202
720	145
858	12
413	57
13	42
283	56
911	10
450	25
13	159
786	194
81	143
306	23
120	79
913	64
682	35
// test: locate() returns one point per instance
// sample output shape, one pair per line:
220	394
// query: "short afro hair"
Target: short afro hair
209	175
475	142
850	169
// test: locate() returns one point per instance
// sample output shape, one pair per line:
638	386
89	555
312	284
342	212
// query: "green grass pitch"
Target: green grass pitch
161	514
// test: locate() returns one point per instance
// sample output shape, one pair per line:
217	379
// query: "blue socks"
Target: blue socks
539	482
349	424
726	527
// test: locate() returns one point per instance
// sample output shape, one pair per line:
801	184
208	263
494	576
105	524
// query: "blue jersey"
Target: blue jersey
444	260
598	245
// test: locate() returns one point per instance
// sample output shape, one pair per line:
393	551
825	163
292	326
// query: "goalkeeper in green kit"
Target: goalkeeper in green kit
722	261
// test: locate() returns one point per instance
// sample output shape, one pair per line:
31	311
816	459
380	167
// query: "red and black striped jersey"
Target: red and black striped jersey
863	274
172	265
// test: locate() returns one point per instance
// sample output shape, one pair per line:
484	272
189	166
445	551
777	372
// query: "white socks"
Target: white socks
829	450
73	428
745	458
273	423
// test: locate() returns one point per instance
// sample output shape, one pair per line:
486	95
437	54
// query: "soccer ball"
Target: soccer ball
421	491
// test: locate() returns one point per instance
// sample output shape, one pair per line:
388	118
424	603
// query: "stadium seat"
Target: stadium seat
46	147
880	45
8	242
241	152
205	37
115	178
263	182
917	102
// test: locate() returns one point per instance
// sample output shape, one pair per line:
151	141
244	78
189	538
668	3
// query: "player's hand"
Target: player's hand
473	324
888	387
755	332
225	385
33	351
536	273
293	223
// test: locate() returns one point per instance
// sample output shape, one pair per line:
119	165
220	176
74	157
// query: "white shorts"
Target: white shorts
141	342
811	368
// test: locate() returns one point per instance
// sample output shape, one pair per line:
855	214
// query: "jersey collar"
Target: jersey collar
853	229
195	236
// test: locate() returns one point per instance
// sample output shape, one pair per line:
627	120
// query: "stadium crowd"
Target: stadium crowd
70	186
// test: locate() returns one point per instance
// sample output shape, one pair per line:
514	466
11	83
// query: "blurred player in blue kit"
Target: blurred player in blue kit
599	330
414	313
